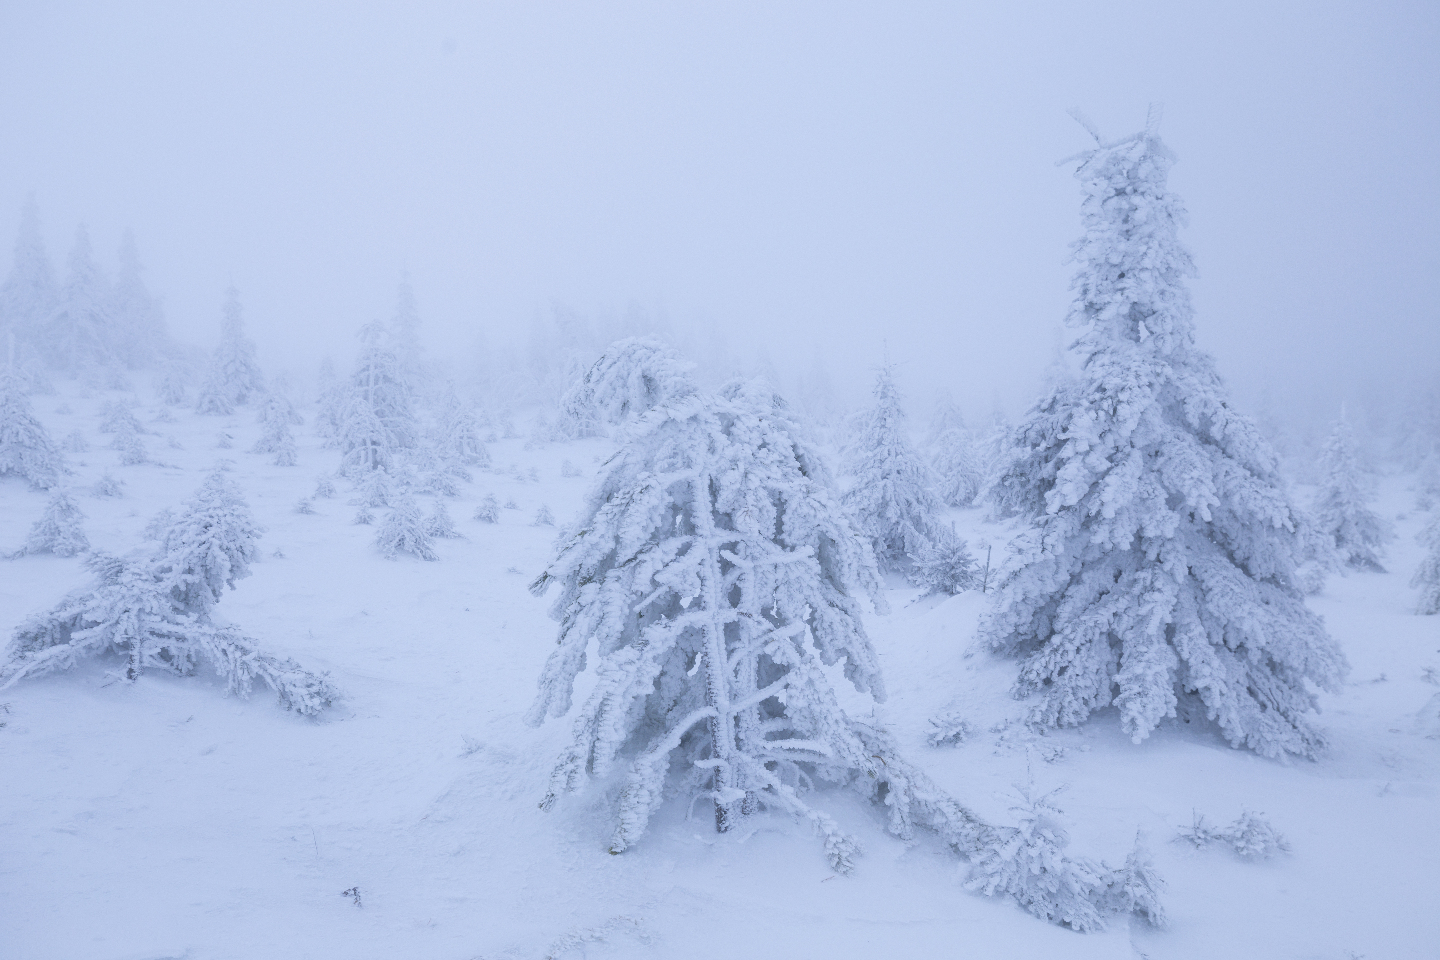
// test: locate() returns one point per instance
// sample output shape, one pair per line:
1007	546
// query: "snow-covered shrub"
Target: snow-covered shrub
1134	888
223	442
1427	575
1029	863
892	497
543	517
131	447
156	610
214	398
324	487
116	417
364	516
26	449
172	384
511	504
1162	548
58	530
439	524
632	376
75	442
568	469
943	566
949	730
404	531
1342	514
488	510
1251	836
159	524
107	486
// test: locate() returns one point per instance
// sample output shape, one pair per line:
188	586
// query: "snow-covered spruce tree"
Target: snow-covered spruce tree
378	419
209	545
1159	571
409	351
718	576
234	375
215	398
29	295
277	413
1427	575
1027	865
1342	513
80	336
138	323
26	449
58	530
460	433
944	567
631	377
155	610
959	467
405	530
892	497
439	524
329	403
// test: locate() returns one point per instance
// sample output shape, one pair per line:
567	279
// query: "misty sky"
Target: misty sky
799	173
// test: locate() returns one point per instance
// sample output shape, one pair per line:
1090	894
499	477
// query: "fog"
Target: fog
825	183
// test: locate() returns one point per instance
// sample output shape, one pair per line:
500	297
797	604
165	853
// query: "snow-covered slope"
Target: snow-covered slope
161	819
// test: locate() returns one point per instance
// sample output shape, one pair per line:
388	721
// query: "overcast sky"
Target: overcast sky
824	173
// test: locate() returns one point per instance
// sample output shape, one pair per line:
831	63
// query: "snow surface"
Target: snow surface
164	820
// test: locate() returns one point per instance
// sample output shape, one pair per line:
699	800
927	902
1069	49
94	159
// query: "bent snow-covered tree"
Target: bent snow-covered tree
26	449
892	496
1159	572
1342	513
155	610
718	576
631	377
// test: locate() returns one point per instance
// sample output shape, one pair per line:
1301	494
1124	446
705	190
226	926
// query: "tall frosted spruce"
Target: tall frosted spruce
1158	575
29	293
81	336
1342	513
892	497
377	420
234	376
26	449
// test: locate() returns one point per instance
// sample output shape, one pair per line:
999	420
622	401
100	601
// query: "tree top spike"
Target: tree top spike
1085	122
1153	118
